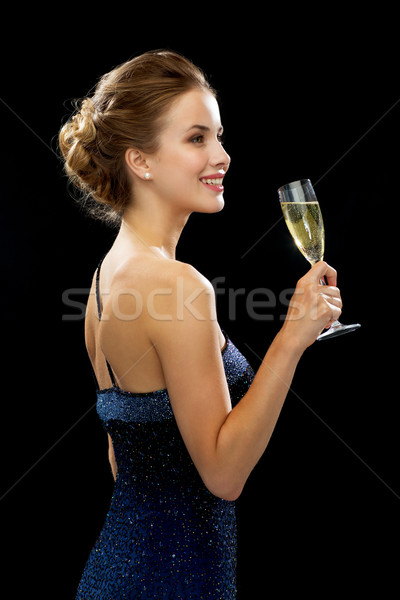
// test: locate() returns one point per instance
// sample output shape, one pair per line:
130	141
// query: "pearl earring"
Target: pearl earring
147	175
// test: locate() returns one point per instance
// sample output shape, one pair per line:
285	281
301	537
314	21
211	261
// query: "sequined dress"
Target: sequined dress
165	535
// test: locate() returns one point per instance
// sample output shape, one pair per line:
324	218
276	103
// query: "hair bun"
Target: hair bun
78	145
84	121
80	129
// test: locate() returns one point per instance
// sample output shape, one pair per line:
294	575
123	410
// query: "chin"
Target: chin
212	207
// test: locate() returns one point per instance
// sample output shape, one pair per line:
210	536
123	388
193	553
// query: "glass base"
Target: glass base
337	329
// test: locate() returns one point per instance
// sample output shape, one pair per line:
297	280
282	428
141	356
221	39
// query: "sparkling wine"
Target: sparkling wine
304	221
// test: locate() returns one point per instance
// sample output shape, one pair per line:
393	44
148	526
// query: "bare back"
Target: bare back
130	293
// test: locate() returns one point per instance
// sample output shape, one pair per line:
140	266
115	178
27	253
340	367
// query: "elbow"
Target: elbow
226	490
230	496
227	494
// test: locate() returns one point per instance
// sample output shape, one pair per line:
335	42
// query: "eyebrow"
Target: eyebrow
203	128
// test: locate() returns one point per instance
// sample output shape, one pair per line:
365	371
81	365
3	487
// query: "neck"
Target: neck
155	231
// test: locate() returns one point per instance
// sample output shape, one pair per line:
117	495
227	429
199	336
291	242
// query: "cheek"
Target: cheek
191	163
184	167
179	168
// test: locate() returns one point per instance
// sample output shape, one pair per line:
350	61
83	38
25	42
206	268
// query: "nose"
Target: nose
220	158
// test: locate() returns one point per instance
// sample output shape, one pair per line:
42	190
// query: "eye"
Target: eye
197	139
220	138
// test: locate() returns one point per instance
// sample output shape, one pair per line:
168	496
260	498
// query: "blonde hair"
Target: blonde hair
125	111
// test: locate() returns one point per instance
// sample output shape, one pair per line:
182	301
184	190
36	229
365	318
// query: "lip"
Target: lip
210	186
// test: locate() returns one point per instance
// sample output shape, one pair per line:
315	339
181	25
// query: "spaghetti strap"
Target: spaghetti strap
98	287
99	313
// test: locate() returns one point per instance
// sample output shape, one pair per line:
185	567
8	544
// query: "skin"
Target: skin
159	327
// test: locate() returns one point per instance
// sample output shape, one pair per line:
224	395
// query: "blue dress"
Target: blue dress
165	535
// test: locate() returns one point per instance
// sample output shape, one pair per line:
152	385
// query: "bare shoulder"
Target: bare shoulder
151	292
186	279
152	272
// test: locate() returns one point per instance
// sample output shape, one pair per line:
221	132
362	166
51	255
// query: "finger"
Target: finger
330	291
333	302
335	316
321	269
334	308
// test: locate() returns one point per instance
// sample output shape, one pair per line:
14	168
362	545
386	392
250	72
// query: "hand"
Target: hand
314	306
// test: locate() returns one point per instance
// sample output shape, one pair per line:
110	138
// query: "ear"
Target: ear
136	162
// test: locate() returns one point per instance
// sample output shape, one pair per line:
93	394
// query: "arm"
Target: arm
225	444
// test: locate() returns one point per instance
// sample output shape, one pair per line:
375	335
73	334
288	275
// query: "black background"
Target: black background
306	95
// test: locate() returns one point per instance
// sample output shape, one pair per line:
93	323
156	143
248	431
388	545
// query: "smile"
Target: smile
217	181
214	181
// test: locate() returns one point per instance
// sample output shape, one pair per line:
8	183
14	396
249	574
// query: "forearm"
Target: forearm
247	430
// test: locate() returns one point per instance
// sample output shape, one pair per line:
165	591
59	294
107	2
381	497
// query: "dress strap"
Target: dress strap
99	313
98	287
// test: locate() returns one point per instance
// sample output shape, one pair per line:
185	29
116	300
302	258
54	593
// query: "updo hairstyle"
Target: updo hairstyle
125	111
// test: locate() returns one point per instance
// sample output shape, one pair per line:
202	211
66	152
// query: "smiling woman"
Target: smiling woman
125	111
186	164
187	419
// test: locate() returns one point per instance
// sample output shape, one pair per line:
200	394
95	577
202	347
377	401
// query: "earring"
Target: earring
147	175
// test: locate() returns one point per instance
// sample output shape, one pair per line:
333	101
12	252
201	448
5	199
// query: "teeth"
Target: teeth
212	181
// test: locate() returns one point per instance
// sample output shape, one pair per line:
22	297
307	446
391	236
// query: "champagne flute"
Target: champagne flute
303	218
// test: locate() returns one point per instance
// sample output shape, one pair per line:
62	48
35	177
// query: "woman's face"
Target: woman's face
188	168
